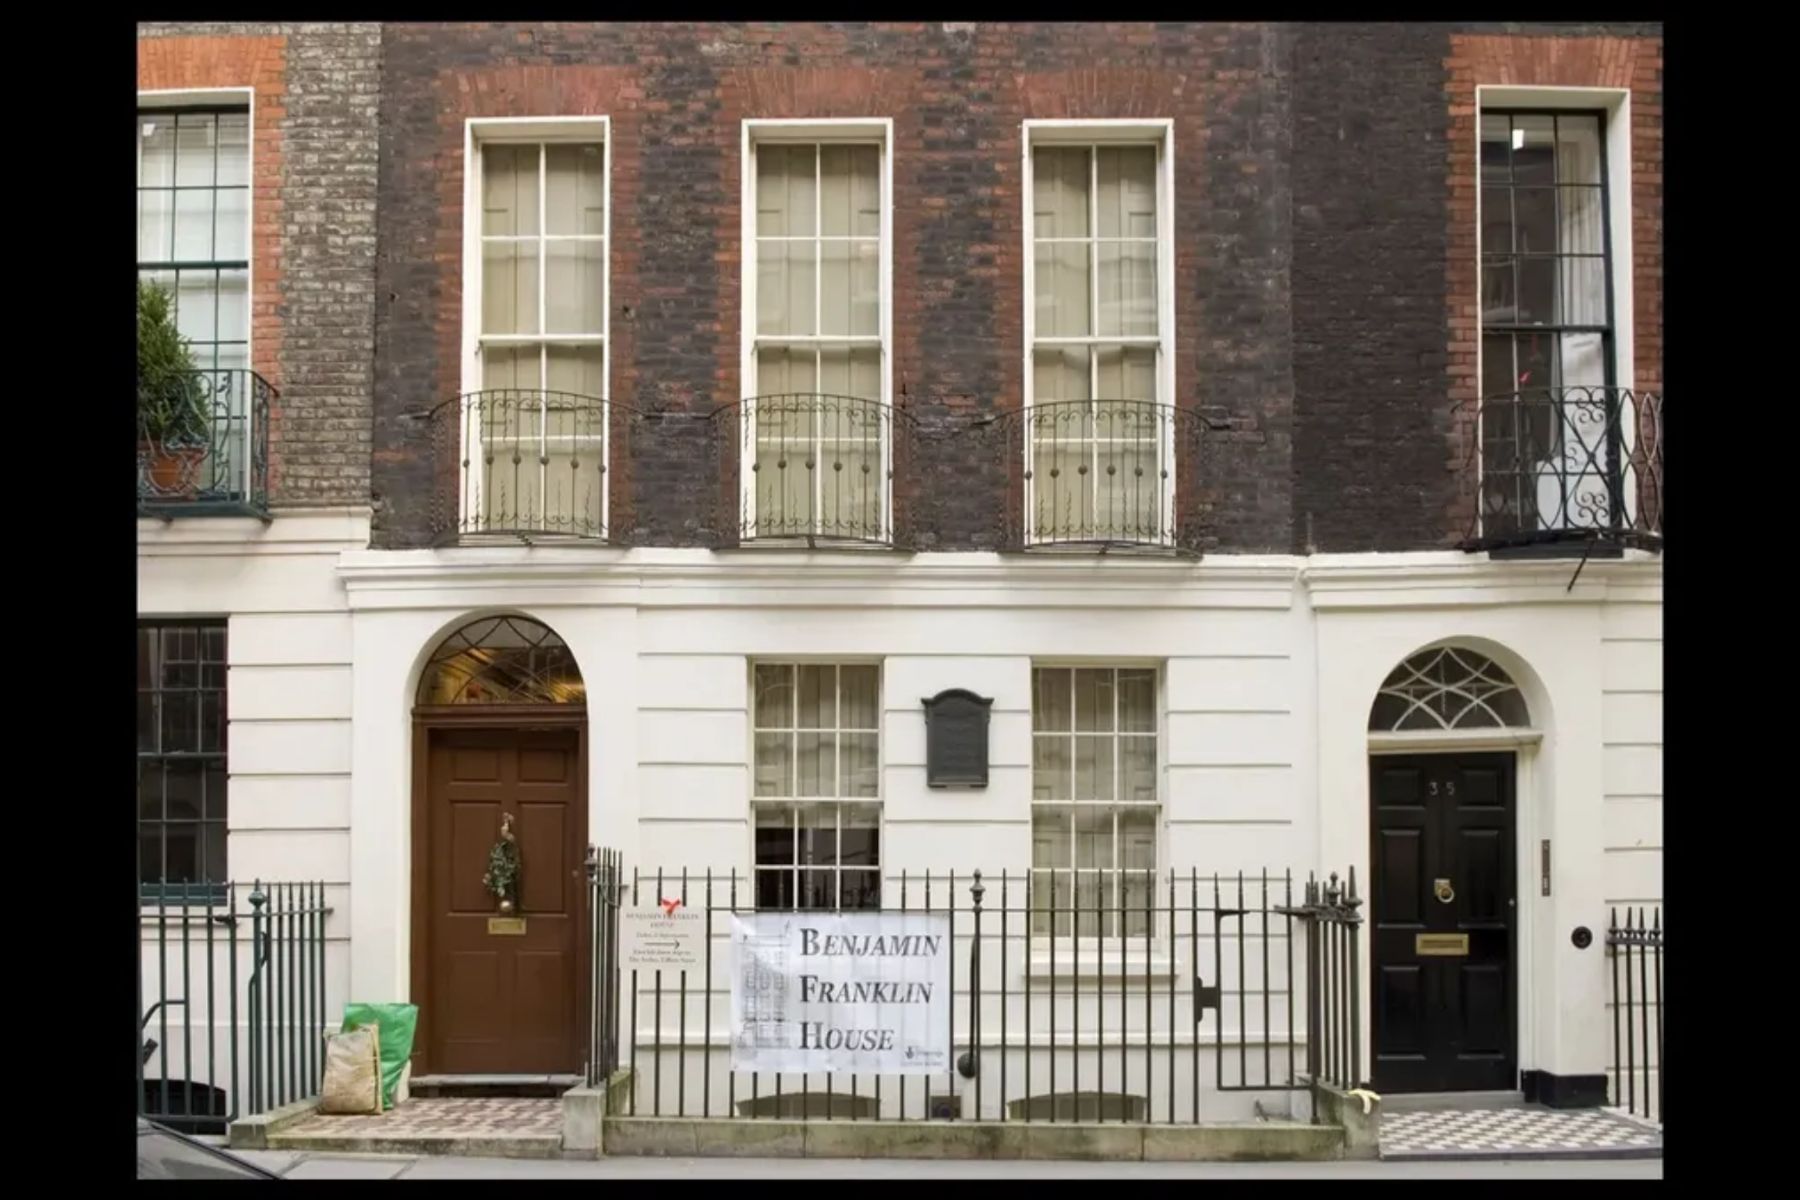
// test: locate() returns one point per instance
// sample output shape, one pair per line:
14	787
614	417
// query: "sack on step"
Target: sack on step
352	1072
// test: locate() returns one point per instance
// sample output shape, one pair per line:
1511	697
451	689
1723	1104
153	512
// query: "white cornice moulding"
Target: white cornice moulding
1454	579
288	531
1429	740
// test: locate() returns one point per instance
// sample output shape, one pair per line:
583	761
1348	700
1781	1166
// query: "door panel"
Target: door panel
493	1001
1443	1023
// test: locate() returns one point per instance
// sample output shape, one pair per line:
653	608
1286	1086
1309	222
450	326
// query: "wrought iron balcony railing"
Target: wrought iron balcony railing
522	463
1573	464
804	467
207	453
1102	474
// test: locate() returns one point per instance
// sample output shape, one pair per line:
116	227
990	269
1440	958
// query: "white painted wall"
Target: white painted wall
288	703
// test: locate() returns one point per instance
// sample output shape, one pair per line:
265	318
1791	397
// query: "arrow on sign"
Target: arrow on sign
670	944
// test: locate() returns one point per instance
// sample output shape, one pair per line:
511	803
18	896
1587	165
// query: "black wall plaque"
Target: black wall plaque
956	739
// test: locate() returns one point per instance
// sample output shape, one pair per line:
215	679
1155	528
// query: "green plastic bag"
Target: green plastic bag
396	1024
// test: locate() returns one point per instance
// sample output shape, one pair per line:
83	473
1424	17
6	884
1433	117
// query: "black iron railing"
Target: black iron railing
812	468
230	1025
1207	983
208	454
523	463
1573	464
1101	474
1634	955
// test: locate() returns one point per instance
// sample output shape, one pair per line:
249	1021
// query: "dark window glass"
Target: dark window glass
181	753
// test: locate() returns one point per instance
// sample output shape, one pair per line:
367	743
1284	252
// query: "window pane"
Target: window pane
1583	299
575	287
575	196
1137	769
213	787
1537	291
1127	289
1496	220
1060	184
785	197
784	372
818	834
212	722
1137	838
850	373
181	852
234	310
1050	698
1496	149
150	849
850	191
577	371
212	856
1093	698
1061	282
1584	366
156	226
1059	375
509	287
860	889
194	150
817	890
1577	149
857	755
1127	374
194	225
150	790
1093	767
1582	218
1051	839
510	367
180	722
1127	191
156	155
1093	900
1534	220
234	149
509	191
784	448
1499	290
774	835
816	764
1137	699
817	696
785	287
232	237
774	696
850	296
146	722
774	764
1093	836
861	836
1051	768
859	697
775	890
1533	156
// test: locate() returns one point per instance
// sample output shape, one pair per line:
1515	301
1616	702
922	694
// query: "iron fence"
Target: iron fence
1634	952
1101	474
1075	997
812	468
209	450
1569	463
524	463
249	1015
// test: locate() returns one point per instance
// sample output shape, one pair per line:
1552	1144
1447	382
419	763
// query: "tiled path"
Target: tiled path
1527	1131
484	1116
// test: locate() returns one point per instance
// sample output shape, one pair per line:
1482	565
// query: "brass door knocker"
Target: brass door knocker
1443	891
502	877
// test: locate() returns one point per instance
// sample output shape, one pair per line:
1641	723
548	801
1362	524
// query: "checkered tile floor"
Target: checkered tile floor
1514	1133
473	1117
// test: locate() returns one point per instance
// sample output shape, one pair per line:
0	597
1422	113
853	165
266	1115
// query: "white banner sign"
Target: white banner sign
852	992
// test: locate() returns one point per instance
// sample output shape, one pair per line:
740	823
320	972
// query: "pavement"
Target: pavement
308	1165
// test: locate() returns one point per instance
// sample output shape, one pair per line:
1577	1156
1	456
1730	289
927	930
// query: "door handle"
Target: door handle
1443	891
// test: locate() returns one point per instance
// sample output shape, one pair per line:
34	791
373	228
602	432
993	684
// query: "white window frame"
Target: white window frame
877	801
490	131
1104	132
758	131
1052	943
1616	103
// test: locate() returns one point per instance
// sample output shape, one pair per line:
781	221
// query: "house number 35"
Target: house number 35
1449	787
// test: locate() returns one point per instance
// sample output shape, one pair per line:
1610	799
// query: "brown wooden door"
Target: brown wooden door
499	1003
1444	868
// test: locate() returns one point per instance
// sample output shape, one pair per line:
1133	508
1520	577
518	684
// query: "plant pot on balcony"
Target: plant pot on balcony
171	473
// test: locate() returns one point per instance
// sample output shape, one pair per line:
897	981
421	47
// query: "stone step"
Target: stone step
432	1087
1397	1102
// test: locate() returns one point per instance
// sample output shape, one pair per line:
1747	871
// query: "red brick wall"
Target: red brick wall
1496	60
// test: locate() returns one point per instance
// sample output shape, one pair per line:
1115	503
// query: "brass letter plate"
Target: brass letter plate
1441	945
514	926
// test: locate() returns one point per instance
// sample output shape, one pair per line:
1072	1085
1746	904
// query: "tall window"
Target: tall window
1094	794
1099	446
181	753
1546	318
817	786
817	448
539	424
193	221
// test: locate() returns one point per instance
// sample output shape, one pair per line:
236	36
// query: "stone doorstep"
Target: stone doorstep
491	1145
253	1133
1519	1153
726	1137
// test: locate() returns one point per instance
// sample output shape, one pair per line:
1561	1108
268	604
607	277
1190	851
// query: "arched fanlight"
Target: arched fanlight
1448	688
502	660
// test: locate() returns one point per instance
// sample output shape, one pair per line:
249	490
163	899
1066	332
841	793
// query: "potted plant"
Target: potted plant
172	412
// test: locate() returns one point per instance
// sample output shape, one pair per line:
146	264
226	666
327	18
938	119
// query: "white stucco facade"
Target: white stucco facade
1268	668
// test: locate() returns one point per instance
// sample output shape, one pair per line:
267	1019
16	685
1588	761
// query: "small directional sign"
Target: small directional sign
668	936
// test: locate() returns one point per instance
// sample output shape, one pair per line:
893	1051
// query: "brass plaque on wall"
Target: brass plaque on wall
1442	945
512	926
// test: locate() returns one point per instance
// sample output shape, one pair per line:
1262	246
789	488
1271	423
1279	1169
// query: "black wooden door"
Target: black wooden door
1443	1012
